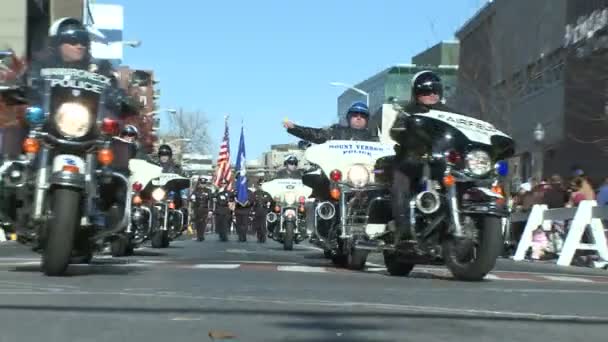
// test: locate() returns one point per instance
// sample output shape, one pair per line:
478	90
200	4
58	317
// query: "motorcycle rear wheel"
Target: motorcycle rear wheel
61	231
396	267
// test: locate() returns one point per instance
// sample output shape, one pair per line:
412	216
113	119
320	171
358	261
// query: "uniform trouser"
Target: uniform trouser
200	222
401	193
259	225
242	221
222	225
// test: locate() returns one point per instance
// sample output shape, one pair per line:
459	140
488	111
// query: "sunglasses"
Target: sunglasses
73	37
130	135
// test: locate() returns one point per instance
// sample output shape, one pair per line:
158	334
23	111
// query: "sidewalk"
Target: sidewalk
545	267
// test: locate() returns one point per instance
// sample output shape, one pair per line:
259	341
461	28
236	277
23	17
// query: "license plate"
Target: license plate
62	160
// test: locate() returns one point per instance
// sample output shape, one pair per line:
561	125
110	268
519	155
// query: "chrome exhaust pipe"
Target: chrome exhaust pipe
428	202
326	211
271	217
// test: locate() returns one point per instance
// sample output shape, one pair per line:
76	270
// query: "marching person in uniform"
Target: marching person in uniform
200	199
261	207
224	206
242	213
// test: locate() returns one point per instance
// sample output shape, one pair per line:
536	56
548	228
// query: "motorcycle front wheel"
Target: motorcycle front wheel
290	227
60	231
472	261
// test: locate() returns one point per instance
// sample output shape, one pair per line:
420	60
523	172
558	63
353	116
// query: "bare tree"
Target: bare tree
193	126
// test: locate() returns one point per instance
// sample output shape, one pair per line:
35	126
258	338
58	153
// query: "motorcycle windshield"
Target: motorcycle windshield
445	131
281	187
74	103
343	154
172	182
143	172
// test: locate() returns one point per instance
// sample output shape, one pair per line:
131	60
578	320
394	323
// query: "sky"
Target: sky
266	60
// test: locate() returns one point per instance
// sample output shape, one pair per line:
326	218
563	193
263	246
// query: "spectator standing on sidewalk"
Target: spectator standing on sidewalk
602	196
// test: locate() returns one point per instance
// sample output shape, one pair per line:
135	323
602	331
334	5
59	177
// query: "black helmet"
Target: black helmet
70	31
425	83
165	150
130	131
290	159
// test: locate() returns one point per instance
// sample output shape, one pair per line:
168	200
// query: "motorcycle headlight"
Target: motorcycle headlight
358	175
158	194
73	119
290	198
478	162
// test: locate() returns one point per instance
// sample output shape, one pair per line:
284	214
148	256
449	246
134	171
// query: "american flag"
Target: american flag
224	172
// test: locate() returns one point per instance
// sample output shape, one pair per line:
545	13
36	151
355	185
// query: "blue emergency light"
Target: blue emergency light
34	115
502	168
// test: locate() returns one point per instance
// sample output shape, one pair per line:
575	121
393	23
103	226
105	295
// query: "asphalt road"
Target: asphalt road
258	292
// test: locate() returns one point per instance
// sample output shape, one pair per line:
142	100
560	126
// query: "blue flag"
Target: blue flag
241	186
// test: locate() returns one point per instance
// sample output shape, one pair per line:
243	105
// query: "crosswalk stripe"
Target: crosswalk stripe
217	266
568	279
306	269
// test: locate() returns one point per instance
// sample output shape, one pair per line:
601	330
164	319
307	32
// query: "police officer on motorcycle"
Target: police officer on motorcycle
200	200
290	168
242	214
70	47
357	129
427	94
165	159
262	204
224	206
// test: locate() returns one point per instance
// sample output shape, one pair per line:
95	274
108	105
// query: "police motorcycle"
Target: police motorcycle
167	207
288	217
457	203
347	196
72	183
142	220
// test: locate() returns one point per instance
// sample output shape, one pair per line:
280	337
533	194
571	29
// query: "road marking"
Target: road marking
239	251
455	313
306	269
312	248
492	277
186	319
373	265
154	261
375	269
262	262
217	266
569	279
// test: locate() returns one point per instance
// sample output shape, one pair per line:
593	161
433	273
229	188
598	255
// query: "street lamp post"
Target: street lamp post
539	138
353	88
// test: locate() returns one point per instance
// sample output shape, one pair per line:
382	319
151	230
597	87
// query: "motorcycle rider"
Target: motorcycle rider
357	129
242	213
201	198
427	94
357	116
165	159
224	204
290	168
70	47
262	204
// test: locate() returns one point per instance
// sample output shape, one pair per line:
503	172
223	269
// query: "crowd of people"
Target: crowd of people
554	192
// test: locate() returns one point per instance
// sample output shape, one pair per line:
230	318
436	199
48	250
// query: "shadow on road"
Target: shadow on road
148	253
92	269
